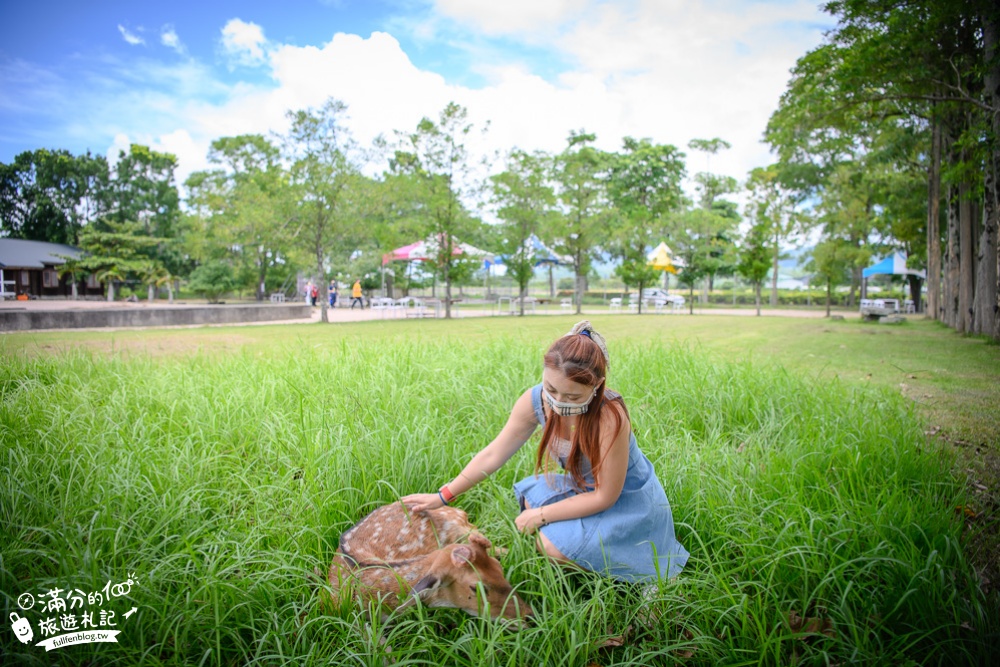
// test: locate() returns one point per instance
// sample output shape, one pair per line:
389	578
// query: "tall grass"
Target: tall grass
222	480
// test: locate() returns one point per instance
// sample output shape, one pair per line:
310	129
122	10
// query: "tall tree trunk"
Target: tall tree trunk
952	270
320	274
829	290
774	271
914	284
991	45
934	225
261	277
986	276
966	256
578	291
447	291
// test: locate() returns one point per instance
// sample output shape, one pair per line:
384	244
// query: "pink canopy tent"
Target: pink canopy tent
424	251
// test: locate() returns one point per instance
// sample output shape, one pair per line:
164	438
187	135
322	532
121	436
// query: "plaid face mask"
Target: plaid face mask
564	409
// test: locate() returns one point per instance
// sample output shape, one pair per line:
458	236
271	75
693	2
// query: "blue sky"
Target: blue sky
175	76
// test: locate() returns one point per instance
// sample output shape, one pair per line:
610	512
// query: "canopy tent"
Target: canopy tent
539	253
892	265
662	259
426	250
895	265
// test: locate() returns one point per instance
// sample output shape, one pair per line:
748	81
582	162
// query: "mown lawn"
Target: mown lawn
219	466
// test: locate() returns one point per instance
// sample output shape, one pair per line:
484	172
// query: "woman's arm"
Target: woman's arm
610	481
520	425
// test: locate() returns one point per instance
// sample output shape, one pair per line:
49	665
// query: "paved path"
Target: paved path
338	315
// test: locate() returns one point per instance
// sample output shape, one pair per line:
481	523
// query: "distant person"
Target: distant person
356	295
308	291
332	293
314	294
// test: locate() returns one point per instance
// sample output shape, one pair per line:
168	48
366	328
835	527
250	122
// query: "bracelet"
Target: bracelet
441	496
541	513
446	495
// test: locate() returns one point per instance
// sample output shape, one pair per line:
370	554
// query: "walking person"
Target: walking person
356	295
332	293
608	511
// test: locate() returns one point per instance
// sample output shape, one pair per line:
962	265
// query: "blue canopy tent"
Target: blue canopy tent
895	265
542	256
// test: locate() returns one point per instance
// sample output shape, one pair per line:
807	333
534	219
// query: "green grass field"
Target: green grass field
219	466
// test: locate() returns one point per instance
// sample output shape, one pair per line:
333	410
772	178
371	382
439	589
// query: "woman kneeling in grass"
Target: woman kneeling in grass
609	512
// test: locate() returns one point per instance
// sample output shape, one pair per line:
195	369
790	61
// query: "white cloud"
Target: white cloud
664	70
129	36
670	71
244	42
510	16
169	38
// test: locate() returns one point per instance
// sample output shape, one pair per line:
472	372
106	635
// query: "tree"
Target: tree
49	195
437	162
579	230
115	253
775	210
711	188
524	200
694	242
755	256
325	170
248	203
644	186
830	261
932	65
212	280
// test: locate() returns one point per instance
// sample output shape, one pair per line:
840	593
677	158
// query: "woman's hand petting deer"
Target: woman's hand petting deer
608	511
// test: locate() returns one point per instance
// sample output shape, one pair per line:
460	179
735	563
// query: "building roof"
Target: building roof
22	254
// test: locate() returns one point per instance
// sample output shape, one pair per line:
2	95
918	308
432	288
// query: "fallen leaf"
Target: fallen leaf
967	511
912	377
810	625
686	653
741	447
620	640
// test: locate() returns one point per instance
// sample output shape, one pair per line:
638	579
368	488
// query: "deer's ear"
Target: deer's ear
480	539
461	555
427	584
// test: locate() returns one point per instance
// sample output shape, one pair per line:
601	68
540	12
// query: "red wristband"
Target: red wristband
446	493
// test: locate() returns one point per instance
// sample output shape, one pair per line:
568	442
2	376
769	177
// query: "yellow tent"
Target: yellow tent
662	258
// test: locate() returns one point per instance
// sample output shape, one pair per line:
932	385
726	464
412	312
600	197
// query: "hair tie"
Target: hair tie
583	328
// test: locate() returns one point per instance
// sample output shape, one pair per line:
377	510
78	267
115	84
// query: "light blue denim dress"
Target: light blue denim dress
632	540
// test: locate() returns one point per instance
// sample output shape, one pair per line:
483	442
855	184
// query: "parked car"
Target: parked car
655	293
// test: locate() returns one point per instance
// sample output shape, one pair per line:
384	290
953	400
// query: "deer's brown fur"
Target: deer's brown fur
394	556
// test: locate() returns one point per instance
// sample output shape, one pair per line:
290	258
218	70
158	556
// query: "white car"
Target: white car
656	293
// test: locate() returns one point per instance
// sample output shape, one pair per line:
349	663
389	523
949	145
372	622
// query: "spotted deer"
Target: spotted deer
393	557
